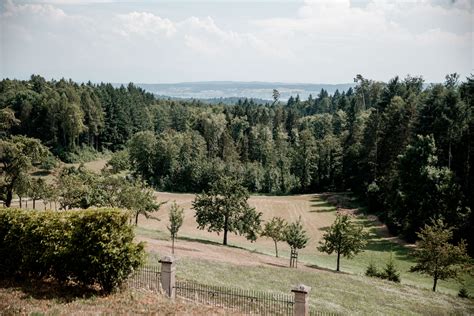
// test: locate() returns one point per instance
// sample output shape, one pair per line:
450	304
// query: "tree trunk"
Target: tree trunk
172	245
20	201
34	204
435	281
136	218
8	200
276	248
226	220
449	155
338	260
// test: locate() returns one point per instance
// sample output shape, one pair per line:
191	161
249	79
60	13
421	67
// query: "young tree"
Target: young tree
17	156
224	208
139	198
437	257
344	238
37	190
275	229
176	217
296	236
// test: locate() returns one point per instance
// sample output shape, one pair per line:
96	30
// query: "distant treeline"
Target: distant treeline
406	150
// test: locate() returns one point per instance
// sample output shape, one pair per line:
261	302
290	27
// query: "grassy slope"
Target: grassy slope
331	292
317	214
46	299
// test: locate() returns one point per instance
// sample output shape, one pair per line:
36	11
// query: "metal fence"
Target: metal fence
314	312
146	277
245	301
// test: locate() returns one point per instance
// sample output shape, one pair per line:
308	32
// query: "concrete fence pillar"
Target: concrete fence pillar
168	275
301	307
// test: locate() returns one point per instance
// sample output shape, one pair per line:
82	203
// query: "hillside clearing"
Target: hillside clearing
317	214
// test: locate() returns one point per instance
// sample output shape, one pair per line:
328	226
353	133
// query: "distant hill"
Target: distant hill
261	91
221	100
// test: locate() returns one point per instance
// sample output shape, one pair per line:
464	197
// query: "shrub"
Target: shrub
463	292
390	272
89	247
119	161
371	270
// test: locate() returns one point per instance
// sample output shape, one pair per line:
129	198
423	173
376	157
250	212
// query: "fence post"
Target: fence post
301	307
168	275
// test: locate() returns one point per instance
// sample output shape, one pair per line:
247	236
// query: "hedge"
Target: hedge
88	247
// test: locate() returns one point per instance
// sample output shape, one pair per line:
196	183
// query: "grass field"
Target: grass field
317	214
340	293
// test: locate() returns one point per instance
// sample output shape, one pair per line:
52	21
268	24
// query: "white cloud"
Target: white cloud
144	23
322	41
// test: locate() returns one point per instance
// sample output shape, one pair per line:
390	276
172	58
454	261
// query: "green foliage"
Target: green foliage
120	161
90	247
80	154
295	235
275	229
403	148
176	218
18	154
435	256
371	270
390	272
224	207
463	293
141	149
344	238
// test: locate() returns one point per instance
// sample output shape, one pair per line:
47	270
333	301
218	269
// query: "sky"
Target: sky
214	40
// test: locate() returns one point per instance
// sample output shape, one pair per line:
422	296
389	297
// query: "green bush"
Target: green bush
371	270
390	272
463	292
89	247
119	161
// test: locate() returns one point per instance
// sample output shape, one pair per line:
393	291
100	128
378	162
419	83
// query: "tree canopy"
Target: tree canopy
343	238
436	256
224	208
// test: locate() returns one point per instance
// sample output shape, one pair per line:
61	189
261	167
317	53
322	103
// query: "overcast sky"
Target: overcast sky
278	41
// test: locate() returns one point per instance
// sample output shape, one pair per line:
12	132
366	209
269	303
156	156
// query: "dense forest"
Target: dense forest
404	149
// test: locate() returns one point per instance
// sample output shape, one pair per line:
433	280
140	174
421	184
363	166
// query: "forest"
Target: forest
404	148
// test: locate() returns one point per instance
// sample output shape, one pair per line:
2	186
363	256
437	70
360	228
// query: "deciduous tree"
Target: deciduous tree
436	256
275	229
224	208
344	238
176	218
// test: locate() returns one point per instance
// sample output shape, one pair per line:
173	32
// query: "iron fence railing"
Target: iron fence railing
146	277
245	301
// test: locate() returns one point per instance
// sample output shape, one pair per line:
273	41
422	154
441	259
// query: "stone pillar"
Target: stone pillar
168	275
301	307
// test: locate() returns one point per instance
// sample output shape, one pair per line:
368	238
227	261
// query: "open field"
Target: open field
316	213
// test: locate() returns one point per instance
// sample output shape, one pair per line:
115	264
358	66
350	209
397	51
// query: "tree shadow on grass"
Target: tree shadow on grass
322	206
50	289
211	242
315	266
41	173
